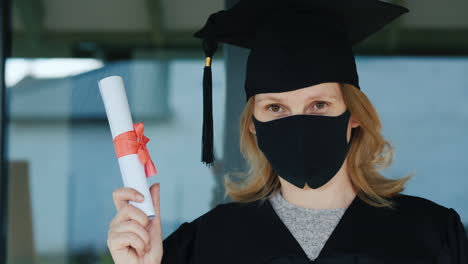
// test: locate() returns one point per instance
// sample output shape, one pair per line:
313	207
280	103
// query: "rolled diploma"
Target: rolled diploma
120	120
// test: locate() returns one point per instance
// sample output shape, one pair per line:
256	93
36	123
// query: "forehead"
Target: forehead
328	90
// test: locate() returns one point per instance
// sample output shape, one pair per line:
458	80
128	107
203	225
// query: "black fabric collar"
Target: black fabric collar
254	233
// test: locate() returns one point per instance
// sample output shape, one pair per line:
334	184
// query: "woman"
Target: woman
313	141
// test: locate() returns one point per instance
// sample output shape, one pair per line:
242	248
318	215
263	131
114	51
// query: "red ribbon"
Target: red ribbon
134	142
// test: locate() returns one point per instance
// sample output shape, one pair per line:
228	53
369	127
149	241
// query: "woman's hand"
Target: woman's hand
133	238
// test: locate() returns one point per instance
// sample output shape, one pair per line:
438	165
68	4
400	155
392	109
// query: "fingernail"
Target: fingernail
140	197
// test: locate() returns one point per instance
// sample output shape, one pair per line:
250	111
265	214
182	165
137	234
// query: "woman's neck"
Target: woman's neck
337	193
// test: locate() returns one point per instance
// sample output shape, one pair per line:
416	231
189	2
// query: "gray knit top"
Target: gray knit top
310	227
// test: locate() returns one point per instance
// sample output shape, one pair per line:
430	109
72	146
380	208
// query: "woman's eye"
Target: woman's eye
321	103
273	105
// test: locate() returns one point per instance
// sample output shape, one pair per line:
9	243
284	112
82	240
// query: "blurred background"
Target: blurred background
58	163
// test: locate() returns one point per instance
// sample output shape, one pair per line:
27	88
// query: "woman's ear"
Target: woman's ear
252	127
354	122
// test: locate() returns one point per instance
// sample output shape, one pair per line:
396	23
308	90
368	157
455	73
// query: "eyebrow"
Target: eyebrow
272	97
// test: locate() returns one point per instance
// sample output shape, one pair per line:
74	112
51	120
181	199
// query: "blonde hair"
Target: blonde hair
368	153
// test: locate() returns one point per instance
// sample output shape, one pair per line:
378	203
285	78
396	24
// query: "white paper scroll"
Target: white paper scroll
120	120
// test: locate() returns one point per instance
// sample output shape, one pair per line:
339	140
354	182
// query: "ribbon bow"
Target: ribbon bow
134	142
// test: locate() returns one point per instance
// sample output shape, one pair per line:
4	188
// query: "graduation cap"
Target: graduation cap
293	44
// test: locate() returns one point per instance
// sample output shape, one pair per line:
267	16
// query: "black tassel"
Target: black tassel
209	47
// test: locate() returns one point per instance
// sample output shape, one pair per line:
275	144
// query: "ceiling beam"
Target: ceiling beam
31	14
157	29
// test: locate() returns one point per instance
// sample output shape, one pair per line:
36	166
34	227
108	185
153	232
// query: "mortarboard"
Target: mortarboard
293	44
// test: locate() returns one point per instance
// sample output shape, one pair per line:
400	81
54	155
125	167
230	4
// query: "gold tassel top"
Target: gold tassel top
208	61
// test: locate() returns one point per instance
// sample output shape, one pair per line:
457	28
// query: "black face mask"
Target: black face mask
305	148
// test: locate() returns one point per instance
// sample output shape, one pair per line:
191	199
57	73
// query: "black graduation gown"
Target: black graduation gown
418	231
